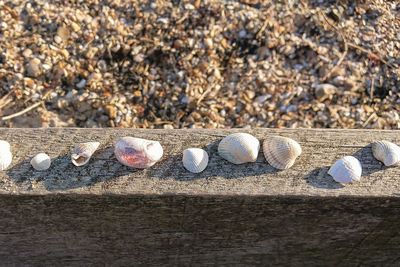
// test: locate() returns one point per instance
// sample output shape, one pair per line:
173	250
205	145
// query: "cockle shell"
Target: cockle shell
41	162
137	152
281	152
346	170
83	152
239	148
195	159
5	155
387	152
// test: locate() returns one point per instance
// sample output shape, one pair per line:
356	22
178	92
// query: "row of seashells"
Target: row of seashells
348	169
279	152
239	148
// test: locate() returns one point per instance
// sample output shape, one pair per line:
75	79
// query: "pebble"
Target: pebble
33	68
325	91
81	84
208	43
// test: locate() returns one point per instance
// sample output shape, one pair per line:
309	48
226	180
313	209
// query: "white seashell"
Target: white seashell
387	152
5	155
346	170
41	162
239	148
4	145
83	152
281	152
5	159
137	152
195	159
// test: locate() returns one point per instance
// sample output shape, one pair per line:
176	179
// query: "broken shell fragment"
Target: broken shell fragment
386	152
346	170
137	152
239	148
195	159
5	155
41	162
281	152
83	152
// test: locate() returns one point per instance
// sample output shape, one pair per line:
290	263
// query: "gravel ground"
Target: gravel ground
191	64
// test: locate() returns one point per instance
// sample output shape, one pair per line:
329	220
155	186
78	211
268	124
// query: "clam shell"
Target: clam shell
41	162
83	152
387	152
5	155
137	152
195	159
281	152
239	148
5	159
4	145
346	170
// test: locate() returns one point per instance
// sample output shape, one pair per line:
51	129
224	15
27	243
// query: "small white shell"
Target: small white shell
195	159
41	162
5	155
281	152
387	152
137	152
4	145
83	152
239	148
346	170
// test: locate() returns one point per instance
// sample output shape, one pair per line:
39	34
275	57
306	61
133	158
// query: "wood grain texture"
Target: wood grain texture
104	175
230	215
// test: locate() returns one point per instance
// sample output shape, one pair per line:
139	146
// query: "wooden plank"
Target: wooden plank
103	174
250	214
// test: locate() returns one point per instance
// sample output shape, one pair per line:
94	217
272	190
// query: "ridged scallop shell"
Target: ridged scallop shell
195	159
137	152
83	152
41	162
346	170
387	152
5	155
281	152
239	148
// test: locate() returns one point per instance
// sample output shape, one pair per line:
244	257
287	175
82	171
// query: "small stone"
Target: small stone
208	43
139	58
112	111
58	39
65	53
33	69
81	84
27	53
168	126
28	82
3	25
325	91
75	27
63	33
91	52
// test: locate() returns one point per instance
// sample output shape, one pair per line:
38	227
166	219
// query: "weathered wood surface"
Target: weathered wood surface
250	214
104	175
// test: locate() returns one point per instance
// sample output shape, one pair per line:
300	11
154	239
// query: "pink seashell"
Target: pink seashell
137	153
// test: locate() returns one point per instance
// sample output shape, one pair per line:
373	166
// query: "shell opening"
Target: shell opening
80	159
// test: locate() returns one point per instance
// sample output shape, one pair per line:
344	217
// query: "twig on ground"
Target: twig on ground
5	99
353	45
22	111
371	93
326	76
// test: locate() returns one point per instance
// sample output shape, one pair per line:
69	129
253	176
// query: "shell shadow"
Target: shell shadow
320	178
63	175
217	166
369	163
